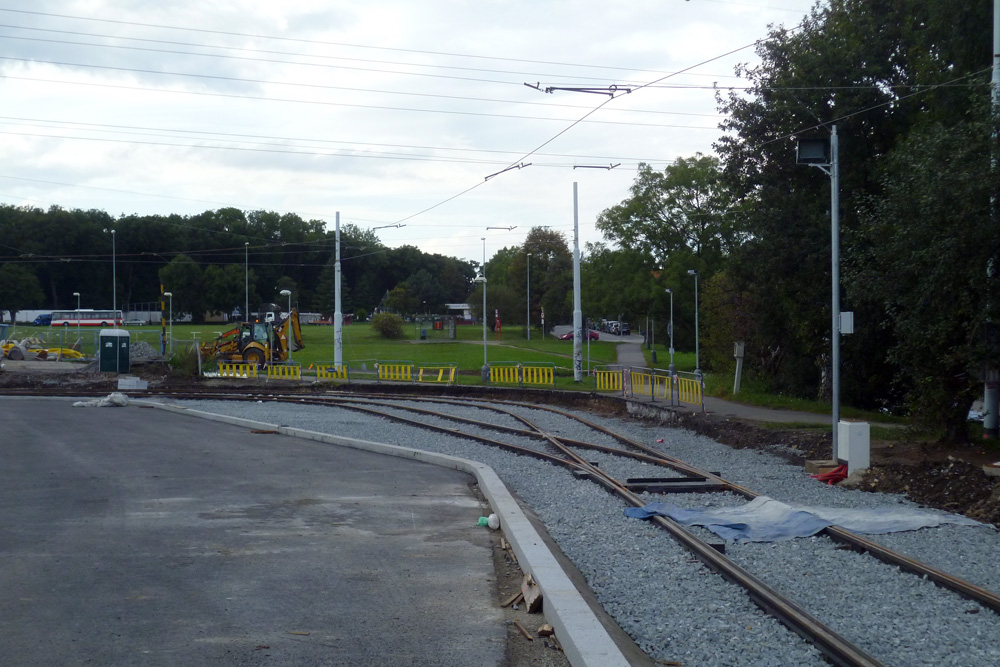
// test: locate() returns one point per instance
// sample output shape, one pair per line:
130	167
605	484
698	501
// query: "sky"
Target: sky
413	119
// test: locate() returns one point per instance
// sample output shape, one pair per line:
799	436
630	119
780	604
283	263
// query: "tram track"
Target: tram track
835	648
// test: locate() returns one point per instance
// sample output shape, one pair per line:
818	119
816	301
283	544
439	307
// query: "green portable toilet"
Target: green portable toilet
114	354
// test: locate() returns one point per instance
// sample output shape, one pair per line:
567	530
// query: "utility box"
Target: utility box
114	351
854	445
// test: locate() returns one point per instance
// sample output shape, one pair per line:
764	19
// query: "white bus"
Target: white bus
86	318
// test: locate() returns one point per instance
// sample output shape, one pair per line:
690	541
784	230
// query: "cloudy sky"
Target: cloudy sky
396	114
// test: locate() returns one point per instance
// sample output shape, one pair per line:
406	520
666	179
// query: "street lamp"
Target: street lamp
528	289
246	280
697	357
824	155
671	327
288	293
486	368
171	311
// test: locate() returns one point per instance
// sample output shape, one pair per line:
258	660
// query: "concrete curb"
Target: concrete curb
583	638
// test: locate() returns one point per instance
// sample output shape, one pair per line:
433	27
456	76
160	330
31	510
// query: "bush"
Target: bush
388	325
184	362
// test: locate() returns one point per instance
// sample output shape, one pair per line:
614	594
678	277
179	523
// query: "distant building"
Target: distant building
461	310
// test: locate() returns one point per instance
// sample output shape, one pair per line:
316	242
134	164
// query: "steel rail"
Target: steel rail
835	647
970	591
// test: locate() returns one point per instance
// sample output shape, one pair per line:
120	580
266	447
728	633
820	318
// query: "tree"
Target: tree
685	210
401	299
19	289
224	288
182	277
879	69
930	236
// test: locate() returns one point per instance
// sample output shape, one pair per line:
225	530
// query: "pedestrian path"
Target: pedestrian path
630	355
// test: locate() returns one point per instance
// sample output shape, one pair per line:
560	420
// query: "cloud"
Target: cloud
322	106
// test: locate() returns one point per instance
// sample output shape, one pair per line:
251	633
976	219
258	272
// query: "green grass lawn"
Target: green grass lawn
363	344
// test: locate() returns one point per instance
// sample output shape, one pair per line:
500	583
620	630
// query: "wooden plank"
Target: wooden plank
532	594
512	599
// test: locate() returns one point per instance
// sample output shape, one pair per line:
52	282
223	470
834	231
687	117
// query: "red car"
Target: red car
569	336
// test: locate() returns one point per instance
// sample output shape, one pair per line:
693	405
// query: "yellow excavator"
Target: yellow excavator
257	343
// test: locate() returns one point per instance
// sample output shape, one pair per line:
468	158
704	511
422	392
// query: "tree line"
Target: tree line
907	84
215	261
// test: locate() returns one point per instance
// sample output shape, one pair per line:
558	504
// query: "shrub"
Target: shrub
388	325
184	362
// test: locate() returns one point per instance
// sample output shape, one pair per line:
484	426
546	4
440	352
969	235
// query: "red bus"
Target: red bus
86	318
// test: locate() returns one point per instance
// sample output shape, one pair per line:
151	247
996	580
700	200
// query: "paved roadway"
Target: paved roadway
133	536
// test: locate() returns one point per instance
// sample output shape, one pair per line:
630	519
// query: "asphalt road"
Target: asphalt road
132	536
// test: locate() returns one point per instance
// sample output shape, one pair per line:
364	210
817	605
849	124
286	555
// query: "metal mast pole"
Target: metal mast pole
835	284
114	283
577	311
528	290
338	316
246	281
671	367
486	364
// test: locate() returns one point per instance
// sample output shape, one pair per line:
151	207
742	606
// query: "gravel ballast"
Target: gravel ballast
672	606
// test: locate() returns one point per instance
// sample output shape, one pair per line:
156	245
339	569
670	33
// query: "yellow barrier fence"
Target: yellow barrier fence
516	373
436	374
229	369
331	372
689	391
540	375
399	371
642	383
291	372
608	380
505	374
663	387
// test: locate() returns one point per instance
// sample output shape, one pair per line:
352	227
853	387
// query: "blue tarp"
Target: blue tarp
768	520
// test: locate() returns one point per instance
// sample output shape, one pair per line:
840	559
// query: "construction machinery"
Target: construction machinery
257	343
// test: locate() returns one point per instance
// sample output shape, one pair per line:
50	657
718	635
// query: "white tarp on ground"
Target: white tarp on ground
765	519
113	400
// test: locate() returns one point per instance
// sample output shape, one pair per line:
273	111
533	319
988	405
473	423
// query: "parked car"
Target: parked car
43	320
135	323
624	329
569	335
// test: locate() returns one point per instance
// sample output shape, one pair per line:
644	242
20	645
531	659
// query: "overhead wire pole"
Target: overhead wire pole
338	316
577	311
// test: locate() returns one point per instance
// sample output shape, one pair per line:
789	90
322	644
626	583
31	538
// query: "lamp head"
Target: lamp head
692	272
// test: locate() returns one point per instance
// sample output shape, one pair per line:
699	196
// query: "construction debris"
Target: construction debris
516	597
532	594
